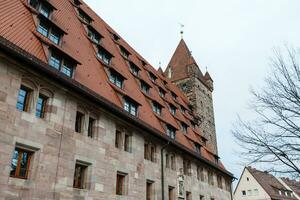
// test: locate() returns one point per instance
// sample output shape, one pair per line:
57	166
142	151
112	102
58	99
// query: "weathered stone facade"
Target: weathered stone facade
57	147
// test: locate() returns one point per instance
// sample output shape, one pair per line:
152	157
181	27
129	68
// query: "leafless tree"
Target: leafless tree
273	137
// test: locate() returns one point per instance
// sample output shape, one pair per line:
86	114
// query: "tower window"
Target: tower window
130	107
145	87
156	108
20	163
188	196
133	68
116	79
171	132
23	98
104	55
41	106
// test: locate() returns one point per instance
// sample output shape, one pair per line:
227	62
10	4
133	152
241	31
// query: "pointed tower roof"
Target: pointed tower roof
181	58
207	76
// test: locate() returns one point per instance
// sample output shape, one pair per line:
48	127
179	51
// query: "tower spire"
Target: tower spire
181	30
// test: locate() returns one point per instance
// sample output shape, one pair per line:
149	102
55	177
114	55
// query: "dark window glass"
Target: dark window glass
44	10
20	163
134	69
91	127
43	29
171	193
67	69
104	56
145	87
130	107
41	105
187	167
94	36
34	3
173	95
124	52
120	185
171	132
23	99
156	108
79	122
118	139
80	176
184	127
54	36
84	16
198	148
172	109
116	79
127	143
152	77
162	93
55	61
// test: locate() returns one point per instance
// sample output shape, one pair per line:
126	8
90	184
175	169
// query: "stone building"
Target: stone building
84	116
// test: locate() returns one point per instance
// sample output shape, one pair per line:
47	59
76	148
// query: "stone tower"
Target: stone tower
198	87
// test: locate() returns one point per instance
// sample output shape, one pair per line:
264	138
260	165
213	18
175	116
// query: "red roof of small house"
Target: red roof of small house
18	24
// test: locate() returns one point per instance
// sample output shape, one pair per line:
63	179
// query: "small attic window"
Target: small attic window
115	36
174	96
152	77
171	132
156	108
182	108
143	63
198	148
84	17
130	106
34	3
77	2
145	87
162	93
116	78
134	69
104	55
184	127
172	109
94	35
45	10
193	124
124	52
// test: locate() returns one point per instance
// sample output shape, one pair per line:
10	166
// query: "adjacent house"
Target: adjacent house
261	185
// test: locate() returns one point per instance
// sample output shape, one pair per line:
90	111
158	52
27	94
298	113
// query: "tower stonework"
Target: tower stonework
198	87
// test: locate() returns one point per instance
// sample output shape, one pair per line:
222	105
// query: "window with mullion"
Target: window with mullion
67	68
145	87
134	69
41	105
43	28
94	36
130	107
55	61
156	108
54	36
20	163
104	56
172	109
184	127
45	10
116	79
171	132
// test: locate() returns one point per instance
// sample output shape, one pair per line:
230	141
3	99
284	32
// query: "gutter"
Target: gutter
38	65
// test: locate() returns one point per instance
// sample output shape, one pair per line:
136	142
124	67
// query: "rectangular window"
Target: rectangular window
45	10
93	35
23	99
124	52
67	69
188	196
54	36
149	190
173	162
104	55
171	132
79	122
187	167
243	192
145	87
20	163
146	151
198	148
150	152
33	3
80	176
127	142
171	192
55	61
162	93
152	77
91	133
134	69
174	96
172	109
118	139
121	184
116	79
156	108
130	107
87	19
184	127
43	28
41	106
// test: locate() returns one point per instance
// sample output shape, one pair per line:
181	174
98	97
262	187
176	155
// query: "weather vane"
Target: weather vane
181	29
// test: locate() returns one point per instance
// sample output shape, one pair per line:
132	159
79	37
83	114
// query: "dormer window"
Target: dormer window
156	108
34	3
171	132
193	124
104	55
197	148
130	106
182	108
115	36
124	52
174	96
61	64
133	68
184	127
116	79
145	87
94	35
162	93
77	2
143	63
84	17
152	77
172	109
50	32
45	10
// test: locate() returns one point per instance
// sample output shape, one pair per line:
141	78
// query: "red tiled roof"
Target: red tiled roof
18	22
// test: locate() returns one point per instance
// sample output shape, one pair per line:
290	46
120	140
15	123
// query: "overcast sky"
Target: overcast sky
234	39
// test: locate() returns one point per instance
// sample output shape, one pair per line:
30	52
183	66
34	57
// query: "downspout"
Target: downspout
162	171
